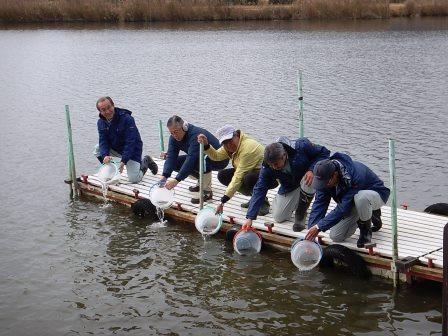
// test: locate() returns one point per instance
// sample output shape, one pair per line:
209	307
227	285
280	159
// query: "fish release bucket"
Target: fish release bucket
305	254
247	242
108	172
207	222
160	196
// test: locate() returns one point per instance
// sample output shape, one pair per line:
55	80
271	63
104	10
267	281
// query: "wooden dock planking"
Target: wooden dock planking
418	233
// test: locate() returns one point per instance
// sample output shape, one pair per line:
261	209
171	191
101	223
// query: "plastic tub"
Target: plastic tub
247	242
107	172
207	222
161	197
305	254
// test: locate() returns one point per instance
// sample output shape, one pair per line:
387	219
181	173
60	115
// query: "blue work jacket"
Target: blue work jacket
121	135
190	145
302	156
353	177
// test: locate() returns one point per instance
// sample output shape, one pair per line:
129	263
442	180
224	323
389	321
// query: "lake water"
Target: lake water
82	268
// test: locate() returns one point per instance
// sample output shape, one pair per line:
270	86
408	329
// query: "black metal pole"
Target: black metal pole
445	282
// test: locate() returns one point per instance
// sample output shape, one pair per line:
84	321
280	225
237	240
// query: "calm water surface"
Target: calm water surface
82	268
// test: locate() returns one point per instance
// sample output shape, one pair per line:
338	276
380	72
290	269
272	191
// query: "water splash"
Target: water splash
161	216
105	188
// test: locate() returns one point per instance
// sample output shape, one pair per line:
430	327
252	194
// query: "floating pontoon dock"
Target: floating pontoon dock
420	235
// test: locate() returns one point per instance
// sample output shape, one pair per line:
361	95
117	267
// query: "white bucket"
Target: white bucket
207	222
161	197
107	172
305	254
247	242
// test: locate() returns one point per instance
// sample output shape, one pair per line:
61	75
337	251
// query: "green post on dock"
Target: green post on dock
300	92
71	156
201	175
393	211
162	142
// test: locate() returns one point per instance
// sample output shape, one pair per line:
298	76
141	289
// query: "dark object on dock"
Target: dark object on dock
438	209
343	255
445	282
144	208
232	232
404	264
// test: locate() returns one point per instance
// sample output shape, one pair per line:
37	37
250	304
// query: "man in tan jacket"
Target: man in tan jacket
246	155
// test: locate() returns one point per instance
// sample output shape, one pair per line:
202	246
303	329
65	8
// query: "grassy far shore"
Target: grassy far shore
15	11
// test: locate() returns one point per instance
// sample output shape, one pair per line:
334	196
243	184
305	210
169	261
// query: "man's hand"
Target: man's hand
202	139
247	223
162	181
170	184
309	177
120	169
107	159
219	209
312	233
163	155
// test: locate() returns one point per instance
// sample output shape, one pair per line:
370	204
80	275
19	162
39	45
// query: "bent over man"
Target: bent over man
184	138
290	162
246	155
359	194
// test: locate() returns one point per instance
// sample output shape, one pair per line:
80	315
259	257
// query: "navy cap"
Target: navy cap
323	170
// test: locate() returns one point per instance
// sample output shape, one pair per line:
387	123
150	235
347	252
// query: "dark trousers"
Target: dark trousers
209	165
249	180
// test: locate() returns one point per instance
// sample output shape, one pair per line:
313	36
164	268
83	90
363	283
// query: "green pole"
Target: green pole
201	175
71	156
393	211
162	142
300	92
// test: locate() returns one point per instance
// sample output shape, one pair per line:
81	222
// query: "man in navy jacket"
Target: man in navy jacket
359	194
119	137
184	137
290	162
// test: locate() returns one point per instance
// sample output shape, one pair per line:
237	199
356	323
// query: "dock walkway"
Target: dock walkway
419	234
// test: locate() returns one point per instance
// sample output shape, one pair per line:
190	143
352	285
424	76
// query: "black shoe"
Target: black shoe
194	189
208	195
365	232
377	223
147	162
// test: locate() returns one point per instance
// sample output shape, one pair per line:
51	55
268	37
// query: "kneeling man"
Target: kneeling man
119	137
359	194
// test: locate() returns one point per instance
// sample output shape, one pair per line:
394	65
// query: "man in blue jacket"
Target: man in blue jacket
290	162
119	137
359	194
184	137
